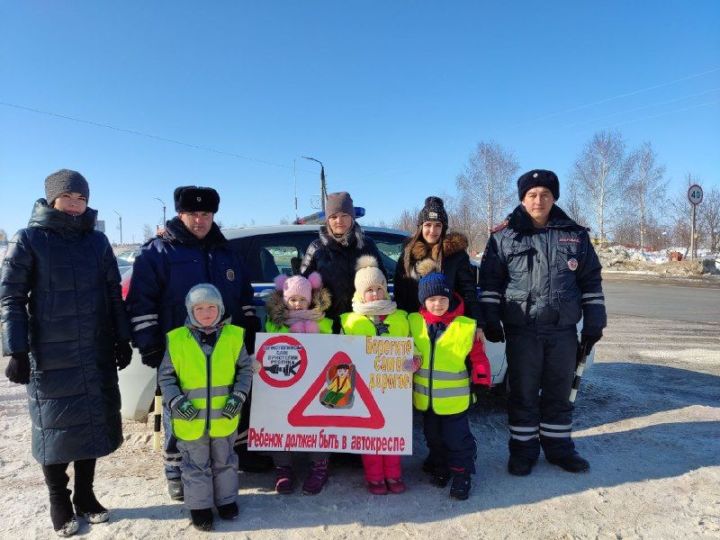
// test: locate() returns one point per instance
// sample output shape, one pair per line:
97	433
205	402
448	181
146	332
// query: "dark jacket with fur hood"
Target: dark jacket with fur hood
449	257
335	262
277	311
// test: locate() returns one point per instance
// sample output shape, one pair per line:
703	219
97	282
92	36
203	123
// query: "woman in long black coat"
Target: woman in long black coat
65	328
433	249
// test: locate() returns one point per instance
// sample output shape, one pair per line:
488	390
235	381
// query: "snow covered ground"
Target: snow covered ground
648	419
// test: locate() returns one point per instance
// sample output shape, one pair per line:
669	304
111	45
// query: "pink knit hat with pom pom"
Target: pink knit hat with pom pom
298	285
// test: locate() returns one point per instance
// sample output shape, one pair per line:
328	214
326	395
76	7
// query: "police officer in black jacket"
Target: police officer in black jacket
191	250
540	275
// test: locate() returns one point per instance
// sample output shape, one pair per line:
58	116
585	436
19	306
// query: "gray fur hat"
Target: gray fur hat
204	293
65	181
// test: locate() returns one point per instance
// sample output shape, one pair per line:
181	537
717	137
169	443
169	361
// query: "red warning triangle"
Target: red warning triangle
297	417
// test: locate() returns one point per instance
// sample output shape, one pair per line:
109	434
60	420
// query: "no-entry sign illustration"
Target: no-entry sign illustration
331	393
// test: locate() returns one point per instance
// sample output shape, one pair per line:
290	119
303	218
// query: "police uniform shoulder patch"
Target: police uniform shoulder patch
499	227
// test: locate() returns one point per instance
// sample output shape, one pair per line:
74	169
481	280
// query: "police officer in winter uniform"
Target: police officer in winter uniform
191	250
540	275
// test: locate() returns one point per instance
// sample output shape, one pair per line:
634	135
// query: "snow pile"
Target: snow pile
620	258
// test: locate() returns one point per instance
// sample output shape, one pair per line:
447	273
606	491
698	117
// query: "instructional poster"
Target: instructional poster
332	393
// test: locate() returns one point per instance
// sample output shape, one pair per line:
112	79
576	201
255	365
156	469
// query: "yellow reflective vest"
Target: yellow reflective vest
202	378
442	382
324	325
355	324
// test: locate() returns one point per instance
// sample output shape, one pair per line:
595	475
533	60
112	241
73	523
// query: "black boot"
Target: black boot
61	510
460	487
573	463
86	505
202	520
228	511
440	476
520	465
175	489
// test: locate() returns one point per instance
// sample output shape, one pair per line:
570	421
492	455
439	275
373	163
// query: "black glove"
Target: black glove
184	408
18	370
494	332
233	405
123	354
481	393
153	357
588	340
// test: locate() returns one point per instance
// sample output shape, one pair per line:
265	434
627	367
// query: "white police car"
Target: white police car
269	251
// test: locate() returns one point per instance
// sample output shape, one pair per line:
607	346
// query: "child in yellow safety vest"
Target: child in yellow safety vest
205	378
445	340
374	314
298	305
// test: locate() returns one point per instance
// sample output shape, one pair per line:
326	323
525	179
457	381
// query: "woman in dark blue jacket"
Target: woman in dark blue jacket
65	328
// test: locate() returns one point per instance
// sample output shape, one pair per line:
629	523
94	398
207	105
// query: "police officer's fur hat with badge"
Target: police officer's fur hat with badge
538	178
196	199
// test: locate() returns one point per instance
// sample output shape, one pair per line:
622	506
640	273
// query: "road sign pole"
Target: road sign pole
695	196
693	255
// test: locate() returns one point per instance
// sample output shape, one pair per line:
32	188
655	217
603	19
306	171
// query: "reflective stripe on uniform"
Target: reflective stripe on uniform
173	459
587	303
593	295
442	392
215	391
556	427
143	326
523	429
242	438
523	433
555	434
556	431
141	318
523	437
443	375
490	297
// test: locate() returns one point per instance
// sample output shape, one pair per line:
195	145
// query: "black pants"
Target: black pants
541	367
57	480
450	441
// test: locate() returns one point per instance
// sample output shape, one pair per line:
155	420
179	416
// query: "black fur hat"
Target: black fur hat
196	199
538	178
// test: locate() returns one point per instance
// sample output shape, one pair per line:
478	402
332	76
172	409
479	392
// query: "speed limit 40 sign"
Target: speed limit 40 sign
695	194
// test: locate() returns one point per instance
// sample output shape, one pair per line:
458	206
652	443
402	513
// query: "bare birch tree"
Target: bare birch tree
407	221
486	187
572	203
600	173
646	187
709	219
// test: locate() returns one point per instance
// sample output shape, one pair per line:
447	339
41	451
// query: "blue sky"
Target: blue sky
391	96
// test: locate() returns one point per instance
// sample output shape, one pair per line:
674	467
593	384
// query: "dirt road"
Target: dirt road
647	418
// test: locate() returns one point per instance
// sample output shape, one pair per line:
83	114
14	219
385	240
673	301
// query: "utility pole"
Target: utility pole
163	205
323	188
119	225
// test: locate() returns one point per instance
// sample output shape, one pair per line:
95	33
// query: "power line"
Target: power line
688	108
635	109
624	95
147	135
